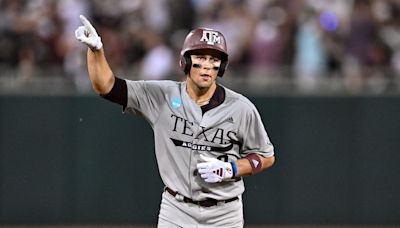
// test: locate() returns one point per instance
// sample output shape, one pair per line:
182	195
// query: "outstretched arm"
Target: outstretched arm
100	73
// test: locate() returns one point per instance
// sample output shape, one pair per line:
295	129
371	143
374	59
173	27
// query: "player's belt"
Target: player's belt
204	203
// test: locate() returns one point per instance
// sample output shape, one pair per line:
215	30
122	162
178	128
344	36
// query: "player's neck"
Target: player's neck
200	96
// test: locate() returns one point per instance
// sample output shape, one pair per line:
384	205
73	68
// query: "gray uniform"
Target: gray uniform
229	131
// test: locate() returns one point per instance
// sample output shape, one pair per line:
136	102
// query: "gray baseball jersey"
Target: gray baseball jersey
229	131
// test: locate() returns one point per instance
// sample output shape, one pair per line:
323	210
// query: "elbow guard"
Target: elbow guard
255	162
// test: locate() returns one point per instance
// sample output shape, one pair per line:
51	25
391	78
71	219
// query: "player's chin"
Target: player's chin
204	84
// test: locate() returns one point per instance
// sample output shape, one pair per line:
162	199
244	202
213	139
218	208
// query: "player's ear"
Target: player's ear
181	63
185	63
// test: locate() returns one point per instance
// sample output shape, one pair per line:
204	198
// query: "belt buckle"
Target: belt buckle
208	203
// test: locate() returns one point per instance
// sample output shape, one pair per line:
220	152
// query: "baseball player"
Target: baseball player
207	137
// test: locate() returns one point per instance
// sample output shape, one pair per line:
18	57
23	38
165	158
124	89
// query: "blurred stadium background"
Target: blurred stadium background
325	75
307	46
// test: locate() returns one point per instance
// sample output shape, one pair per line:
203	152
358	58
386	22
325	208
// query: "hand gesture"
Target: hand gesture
87	34
213	170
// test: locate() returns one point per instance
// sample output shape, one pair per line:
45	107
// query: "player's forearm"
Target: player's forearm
245	169
100	73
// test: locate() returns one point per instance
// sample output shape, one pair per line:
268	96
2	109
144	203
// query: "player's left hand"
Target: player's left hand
87	34
213	170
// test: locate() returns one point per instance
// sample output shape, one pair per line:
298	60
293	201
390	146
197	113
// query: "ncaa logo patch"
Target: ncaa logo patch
176	102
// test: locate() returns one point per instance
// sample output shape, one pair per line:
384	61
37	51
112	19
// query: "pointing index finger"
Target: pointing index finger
86	23
84	20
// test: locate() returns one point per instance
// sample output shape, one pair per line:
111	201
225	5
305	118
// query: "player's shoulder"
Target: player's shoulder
237	98
161	84
166	84
155	82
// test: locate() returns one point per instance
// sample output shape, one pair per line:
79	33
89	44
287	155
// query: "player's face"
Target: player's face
205	67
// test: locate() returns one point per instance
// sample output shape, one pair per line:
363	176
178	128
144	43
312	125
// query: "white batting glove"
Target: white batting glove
213	170
87	34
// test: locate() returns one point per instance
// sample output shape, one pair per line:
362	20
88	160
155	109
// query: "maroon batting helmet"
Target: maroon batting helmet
203	38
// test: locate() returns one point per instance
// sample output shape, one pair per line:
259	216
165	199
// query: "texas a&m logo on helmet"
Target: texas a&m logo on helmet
211	37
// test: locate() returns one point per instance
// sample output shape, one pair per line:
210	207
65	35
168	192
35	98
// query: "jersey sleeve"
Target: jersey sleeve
255	138
145	98
118	93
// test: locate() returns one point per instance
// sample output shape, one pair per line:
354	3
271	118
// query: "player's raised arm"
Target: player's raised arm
100	73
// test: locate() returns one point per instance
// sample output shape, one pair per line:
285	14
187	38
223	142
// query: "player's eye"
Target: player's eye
214	60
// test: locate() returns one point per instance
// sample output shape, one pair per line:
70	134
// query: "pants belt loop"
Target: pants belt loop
179	197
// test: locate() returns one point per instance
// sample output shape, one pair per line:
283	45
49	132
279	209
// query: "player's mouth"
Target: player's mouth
206	77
